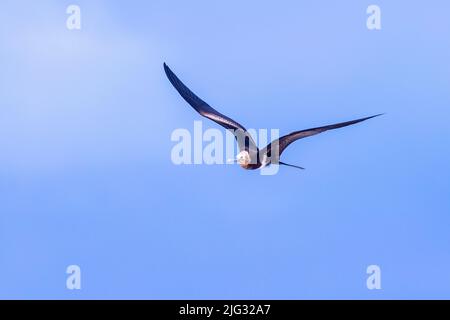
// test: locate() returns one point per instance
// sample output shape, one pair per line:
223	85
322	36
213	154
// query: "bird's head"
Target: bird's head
243	158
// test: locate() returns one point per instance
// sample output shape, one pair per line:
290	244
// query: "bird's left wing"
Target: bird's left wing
286	140
244	139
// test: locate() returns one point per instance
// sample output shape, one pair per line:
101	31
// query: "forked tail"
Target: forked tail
291	165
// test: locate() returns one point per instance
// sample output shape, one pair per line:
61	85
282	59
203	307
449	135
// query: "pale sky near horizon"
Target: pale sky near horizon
86	176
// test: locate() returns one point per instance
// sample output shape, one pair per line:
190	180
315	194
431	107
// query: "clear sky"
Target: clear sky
85	171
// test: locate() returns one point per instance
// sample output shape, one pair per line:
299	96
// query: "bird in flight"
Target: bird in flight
250	157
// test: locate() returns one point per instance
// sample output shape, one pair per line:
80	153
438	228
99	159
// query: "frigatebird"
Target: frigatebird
250	157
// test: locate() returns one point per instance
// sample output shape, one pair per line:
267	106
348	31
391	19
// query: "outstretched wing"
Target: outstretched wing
244	139
286	140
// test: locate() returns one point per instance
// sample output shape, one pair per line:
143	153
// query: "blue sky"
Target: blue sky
86	176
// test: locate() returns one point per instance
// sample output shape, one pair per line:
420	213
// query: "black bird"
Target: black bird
250	156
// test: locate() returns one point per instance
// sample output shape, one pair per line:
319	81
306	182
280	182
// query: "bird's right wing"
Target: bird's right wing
286	140
244	139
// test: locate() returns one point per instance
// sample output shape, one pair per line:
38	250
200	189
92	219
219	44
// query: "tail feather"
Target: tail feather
291	165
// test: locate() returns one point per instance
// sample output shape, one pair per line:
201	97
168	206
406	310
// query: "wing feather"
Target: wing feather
244	139
286	140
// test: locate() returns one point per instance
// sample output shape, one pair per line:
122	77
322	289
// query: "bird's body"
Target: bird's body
246	162
250	157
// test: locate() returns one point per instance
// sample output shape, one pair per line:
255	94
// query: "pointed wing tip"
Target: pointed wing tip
166	67
374	116
377	115
170	75
167	70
